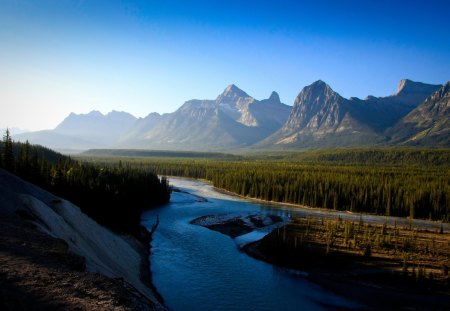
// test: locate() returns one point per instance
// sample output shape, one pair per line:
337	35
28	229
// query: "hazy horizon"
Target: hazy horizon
145	56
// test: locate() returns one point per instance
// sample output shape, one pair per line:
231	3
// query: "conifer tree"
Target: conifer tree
7	154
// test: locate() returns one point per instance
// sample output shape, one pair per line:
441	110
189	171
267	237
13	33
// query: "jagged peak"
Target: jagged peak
112	112
95	113
407	86
404	84
274	97
153	114
444	91
370	97
319	83
233	91
115	113
317	87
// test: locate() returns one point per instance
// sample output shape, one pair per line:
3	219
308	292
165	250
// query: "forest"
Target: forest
393	182
113	196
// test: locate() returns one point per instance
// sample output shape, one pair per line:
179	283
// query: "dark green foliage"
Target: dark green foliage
157	153
362	156
7	154
421	190
113	196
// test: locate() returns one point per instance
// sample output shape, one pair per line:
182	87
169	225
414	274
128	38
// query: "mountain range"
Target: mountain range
417	114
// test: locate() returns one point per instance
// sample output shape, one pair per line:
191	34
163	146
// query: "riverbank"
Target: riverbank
374	289
330	213
377	265
58	258
388	268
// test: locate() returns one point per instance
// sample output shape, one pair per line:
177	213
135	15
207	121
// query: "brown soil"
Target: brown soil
38	272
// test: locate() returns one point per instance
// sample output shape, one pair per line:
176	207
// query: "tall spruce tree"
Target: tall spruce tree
7	154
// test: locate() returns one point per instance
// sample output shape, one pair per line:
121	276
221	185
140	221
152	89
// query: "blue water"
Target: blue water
195	268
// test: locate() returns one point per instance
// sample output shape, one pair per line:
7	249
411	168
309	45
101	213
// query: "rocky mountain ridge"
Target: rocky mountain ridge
233	119
319	118
322	118
428	123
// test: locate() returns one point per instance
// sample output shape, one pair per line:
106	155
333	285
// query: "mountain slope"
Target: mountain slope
83	131
233	119
95	126
428	124
321	118
380	113
135	134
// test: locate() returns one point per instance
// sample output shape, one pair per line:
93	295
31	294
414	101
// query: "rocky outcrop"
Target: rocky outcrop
321	118
233	119
428	124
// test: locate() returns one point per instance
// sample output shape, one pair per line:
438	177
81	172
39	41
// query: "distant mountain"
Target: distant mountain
233	119
417	114
321	118
60	142
428	124
380	113
83	131
94	126
134	135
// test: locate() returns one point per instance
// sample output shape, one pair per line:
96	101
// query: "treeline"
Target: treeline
157	154
113	196
406	191
363	156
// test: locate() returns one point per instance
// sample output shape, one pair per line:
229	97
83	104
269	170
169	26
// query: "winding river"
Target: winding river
195	268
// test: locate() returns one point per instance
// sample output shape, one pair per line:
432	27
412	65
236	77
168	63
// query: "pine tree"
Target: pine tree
8	155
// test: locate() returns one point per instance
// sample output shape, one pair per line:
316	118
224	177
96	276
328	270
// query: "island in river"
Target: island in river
386	266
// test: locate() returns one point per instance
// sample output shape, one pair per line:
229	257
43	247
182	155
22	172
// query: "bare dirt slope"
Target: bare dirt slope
52	256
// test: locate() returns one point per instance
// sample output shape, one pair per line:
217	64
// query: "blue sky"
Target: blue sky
62	56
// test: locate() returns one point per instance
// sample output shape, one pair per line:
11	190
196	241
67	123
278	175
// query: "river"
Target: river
195	268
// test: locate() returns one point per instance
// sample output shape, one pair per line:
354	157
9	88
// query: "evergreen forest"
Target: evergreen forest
393	182
114	196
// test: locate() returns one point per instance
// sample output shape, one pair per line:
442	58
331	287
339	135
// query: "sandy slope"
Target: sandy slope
104	252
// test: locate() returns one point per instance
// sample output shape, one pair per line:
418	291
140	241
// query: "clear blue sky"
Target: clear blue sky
62	56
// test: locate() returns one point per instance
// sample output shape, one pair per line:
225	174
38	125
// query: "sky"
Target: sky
62	56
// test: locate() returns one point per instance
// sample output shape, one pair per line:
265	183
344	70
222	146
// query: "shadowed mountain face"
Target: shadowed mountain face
233	119
380	113
428	124
322	118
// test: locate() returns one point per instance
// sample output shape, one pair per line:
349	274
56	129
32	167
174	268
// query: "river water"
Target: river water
195	268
